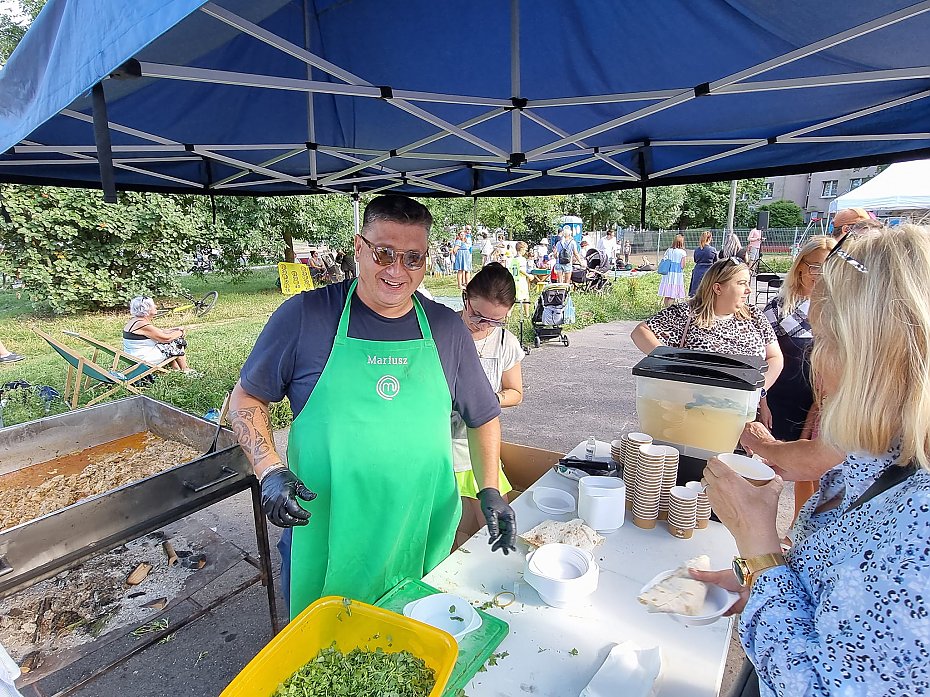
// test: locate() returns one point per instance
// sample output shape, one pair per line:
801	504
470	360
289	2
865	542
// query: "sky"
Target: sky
10	7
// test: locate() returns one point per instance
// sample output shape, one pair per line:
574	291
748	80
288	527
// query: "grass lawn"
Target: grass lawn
221	341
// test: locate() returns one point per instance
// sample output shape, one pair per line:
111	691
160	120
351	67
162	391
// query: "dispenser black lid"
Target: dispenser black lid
703	368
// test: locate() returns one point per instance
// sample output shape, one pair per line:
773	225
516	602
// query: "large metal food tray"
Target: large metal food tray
40	548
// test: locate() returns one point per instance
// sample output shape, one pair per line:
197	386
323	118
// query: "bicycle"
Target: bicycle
199	307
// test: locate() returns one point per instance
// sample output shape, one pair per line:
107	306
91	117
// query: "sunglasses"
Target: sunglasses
815	269
481	319
412	259
837	251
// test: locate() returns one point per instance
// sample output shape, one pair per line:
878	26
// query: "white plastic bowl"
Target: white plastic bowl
561	574
553	501
436	610
717	602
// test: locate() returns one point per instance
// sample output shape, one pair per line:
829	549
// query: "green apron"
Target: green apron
373	442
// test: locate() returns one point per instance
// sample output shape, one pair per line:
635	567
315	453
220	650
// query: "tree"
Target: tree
15	18
74	254
706	205
784	214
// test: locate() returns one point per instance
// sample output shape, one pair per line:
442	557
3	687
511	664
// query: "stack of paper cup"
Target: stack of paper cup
682	511
703	505
669	477
616	452
629	454
650	467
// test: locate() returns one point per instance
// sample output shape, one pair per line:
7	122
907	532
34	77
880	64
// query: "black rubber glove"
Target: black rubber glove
502	523
280	490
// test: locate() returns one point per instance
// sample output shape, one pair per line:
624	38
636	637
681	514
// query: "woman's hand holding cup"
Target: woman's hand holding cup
745	498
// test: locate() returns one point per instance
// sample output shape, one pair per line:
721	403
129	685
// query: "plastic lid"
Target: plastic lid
702	368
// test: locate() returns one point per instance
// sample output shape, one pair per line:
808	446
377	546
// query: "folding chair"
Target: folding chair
83	369
767	285
119	359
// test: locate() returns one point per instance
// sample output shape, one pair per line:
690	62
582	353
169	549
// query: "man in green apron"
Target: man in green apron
372	372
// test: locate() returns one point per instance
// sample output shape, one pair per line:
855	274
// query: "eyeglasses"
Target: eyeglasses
815	269
481	319
412	259
837	251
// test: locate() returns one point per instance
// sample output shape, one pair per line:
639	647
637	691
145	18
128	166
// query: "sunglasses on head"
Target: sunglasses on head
837	251
481	319
412	259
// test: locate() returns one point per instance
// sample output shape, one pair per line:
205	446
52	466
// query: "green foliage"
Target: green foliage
784	214
524	218
74	253
15	18
706	205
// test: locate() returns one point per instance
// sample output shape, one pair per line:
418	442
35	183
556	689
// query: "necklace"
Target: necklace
484	343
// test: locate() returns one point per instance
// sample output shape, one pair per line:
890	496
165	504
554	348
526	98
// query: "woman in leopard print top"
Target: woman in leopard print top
716	319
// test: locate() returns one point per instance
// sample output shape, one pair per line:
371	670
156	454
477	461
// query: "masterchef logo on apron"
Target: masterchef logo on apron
388	387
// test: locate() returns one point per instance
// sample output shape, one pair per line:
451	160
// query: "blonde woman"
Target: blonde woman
672	285
704	256
790	399
845	611
717	319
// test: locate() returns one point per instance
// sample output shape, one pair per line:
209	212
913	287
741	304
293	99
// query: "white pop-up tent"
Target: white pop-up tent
903	186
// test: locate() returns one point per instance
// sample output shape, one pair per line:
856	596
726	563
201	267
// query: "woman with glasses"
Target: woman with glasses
716	319
845	610
786	405
461	251
488	299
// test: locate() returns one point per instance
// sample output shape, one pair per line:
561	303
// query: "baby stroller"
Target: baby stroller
554	309
595	278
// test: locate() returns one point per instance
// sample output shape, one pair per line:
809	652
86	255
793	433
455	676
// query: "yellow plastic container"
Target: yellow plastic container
360	625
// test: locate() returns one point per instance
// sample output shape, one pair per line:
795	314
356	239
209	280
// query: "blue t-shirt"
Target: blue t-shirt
295	344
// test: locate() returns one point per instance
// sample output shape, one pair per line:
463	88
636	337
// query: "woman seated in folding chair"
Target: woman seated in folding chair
143	340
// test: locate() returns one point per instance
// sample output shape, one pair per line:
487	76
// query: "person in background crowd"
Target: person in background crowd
754	246
346	262
672	285
372	372
7	356
583	253
488	300
844	612
487	249
461	250
704	256
791	398
627	251
566	253
521	277
607	246
732	247
845	219
317	267
718	319
143	340
541	252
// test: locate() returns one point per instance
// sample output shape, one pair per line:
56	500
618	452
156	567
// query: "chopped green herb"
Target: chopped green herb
360	673
573	652
457	618
541	649
452	609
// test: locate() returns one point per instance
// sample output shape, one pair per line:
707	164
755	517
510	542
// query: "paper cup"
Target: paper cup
644	523
749	468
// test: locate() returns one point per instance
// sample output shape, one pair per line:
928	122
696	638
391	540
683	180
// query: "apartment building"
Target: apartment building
814	192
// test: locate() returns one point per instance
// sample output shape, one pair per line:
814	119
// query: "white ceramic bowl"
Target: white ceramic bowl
716	603
440	609
553	501
561	574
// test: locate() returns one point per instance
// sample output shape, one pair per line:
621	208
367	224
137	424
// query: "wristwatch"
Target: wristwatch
762	393
746	570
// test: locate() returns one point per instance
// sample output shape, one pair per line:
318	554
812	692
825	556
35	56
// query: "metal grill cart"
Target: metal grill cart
43	547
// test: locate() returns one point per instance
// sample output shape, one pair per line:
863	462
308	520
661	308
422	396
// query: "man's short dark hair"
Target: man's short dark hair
397	209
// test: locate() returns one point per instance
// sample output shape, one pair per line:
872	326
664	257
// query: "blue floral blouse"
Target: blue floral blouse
850	613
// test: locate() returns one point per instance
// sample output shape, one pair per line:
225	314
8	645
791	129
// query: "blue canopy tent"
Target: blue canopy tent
466	97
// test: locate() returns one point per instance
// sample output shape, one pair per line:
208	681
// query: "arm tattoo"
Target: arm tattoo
247	425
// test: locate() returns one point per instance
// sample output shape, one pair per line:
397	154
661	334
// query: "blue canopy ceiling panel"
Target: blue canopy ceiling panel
465	97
